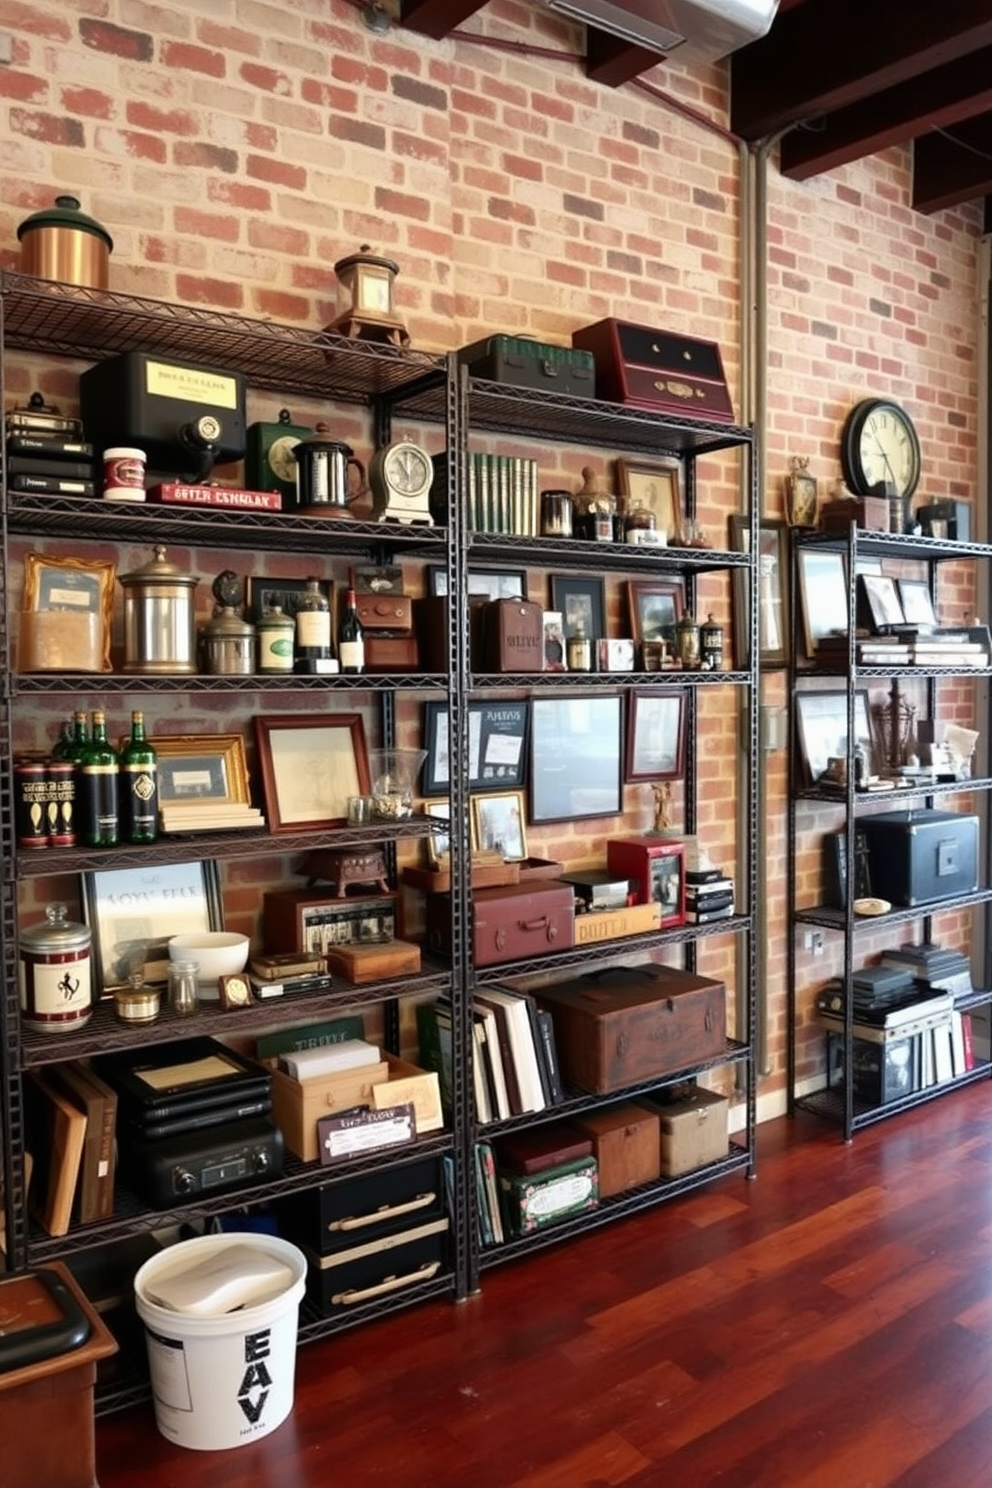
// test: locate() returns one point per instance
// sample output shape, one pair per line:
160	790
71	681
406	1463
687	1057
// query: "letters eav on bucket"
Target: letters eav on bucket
363	1130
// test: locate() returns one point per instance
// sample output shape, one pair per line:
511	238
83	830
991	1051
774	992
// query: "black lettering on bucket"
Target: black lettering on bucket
256	1376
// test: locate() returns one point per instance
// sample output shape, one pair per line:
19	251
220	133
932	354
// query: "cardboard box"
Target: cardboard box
297	1108
626	1142
694	1130
408	1082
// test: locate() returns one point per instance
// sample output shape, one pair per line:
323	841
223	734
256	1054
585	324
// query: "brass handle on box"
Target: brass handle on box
391	1284
388	1211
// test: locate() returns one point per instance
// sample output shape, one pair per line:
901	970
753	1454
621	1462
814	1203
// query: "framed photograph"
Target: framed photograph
656	606
201	767
773	592
575	758
581	602
498	584
310	766
656	735
132	912
498	824
262	594
821	729
666	871
75	585
497	736
917	603
881	601
656	485
823	596
439	842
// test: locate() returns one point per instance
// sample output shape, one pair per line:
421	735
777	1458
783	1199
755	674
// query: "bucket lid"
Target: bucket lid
239	1275
65	213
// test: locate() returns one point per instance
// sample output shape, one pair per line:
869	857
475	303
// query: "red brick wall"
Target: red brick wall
233	163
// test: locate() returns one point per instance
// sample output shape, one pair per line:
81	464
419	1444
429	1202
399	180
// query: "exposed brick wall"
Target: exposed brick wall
234	158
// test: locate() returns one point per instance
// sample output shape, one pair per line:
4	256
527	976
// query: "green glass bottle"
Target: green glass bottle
97	798
73	748
138	786
62	747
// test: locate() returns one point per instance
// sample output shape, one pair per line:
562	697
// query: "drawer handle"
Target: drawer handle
388	1211
391	1284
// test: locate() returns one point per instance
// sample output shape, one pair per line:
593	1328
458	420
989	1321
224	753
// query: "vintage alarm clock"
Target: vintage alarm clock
400	477
269	462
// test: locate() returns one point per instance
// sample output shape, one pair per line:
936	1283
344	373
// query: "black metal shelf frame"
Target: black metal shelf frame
40	317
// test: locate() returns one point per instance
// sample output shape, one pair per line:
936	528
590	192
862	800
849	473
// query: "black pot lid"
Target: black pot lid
65	213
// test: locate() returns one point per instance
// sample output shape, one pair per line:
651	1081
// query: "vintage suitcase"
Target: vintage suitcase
918	856
693	1128
626	1144
655	369
373	1268
533	1201
383	1202
392	613
625	1025
532	364
509	923
513	635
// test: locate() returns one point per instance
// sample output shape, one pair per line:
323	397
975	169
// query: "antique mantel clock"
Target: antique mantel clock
400	477
369	280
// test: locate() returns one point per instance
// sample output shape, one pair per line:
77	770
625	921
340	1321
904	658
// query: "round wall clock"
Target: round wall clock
400	477
879	445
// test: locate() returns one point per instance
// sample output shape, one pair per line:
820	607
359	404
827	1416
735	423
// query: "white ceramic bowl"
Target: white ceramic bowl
217	953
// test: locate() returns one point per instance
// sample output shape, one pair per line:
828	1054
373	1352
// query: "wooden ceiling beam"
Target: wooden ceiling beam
612	61
939	99
825	55
437	17
951	170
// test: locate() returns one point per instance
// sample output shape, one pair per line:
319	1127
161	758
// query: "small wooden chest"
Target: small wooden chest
649	368
389	653
626	1143
374	963
392	613
510	923
626	1025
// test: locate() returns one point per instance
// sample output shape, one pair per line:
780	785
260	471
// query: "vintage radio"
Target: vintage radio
510	922
314	921
513	631
172	1170
918	856
520	362
625	1025
655	869
391	613
657	370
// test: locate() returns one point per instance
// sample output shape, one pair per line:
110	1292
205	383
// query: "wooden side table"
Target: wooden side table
47	1432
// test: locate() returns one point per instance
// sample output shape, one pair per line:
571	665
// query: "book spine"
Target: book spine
546	1030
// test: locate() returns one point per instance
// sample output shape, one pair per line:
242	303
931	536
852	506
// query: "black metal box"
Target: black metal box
370	1207
532	364
915	857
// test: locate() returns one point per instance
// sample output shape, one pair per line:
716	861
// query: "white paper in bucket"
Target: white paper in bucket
223	1379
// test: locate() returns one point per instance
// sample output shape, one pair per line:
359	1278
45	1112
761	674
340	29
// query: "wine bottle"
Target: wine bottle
138	786
312	652
351	638
61	749
72	748
98	769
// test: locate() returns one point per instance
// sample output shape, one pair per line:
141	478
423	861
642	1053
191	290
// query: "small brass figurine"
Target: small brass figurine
801	501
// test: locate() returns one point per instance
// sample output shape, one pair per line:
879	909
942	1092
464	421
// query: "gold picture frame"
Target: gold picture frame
438	844
656	485
195	768
75	586
498	824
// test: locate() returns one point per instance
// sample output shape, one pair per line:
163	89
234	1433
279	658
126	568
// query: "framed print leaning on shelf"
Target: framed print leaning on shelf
656	735
497	735
580	602
498	824
439	842
917	603
74	586
498	584
575	758
653	484
821	729
881	598
201	767
773	592
656	606
823	595
310	766
132	912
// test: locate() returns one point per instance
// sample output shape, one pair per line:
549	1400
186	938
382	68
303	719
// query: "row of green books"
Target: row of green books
502	494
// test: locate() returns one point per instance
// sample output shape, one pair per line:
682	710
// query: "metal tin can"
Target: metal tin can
31	802
711	645
274	635
61	804
159	618
54	974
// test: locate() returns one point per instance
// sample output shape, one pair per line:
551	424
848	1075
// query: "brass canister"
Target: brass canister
159	618
62	243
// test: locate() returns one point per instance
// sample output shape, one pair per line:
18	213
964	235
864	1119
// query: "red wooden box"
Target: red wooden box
626	1025
389	612
509	923
655	369
655	869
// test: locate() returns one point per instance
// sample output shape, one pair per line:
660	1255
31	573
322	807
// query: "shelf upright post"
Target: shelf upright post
755	810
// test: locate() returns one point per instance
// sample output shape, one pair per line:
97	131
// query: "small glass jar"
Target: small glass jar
578	651
687	639
637	520
184	989
556	513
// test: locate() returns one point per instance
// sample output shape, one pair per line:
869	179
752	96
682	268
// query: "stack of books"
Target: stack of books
502	493
907	646
934	966
709	895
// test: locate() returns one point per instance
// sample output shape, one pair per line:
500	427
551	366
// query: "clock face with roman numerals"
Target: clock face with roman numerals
880	451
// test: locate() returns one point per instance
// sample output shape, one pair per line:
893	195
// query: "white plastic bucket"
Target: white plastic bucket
220	1316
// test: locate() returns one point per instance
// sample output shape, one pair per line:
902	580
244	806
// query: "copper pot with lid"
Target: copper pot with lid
61	242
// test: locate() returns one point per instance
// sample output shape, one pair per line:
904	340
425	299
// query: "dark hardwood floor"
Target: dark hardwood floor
826	1326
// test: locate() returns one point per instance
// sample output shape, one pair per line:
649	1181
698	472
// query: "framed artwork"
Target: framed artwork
497	736
821	729
201	767
497	584
132	912
580	602
823	595
656	485
75	586
773	592
917	603
439	841
575	758
263	593
881	600
656	606
310	766
498	824
656	735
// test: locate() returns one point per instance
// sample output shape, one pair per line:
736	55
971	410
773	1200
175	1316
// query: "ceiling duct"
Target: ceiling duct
699	30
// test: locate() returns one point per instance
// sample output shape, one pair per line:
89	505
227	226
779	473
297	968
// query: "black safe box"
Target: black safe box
917	856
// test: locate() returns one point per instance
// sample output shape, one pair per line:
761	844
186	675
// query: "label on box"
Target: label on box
175	493
343	1136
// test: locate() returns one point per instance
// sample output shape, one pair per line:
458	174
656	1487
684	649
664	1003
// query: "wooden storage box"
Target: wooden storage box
649	368
384	653
626	1145
392	613
870	513
431	622
510	923
693	1130
513	632
625	1025
373	963
408	1082
298	1107
615	924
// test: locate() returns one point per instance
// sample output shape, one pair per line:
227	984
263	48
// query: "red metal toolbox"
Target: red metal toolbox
625	1025
510	922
